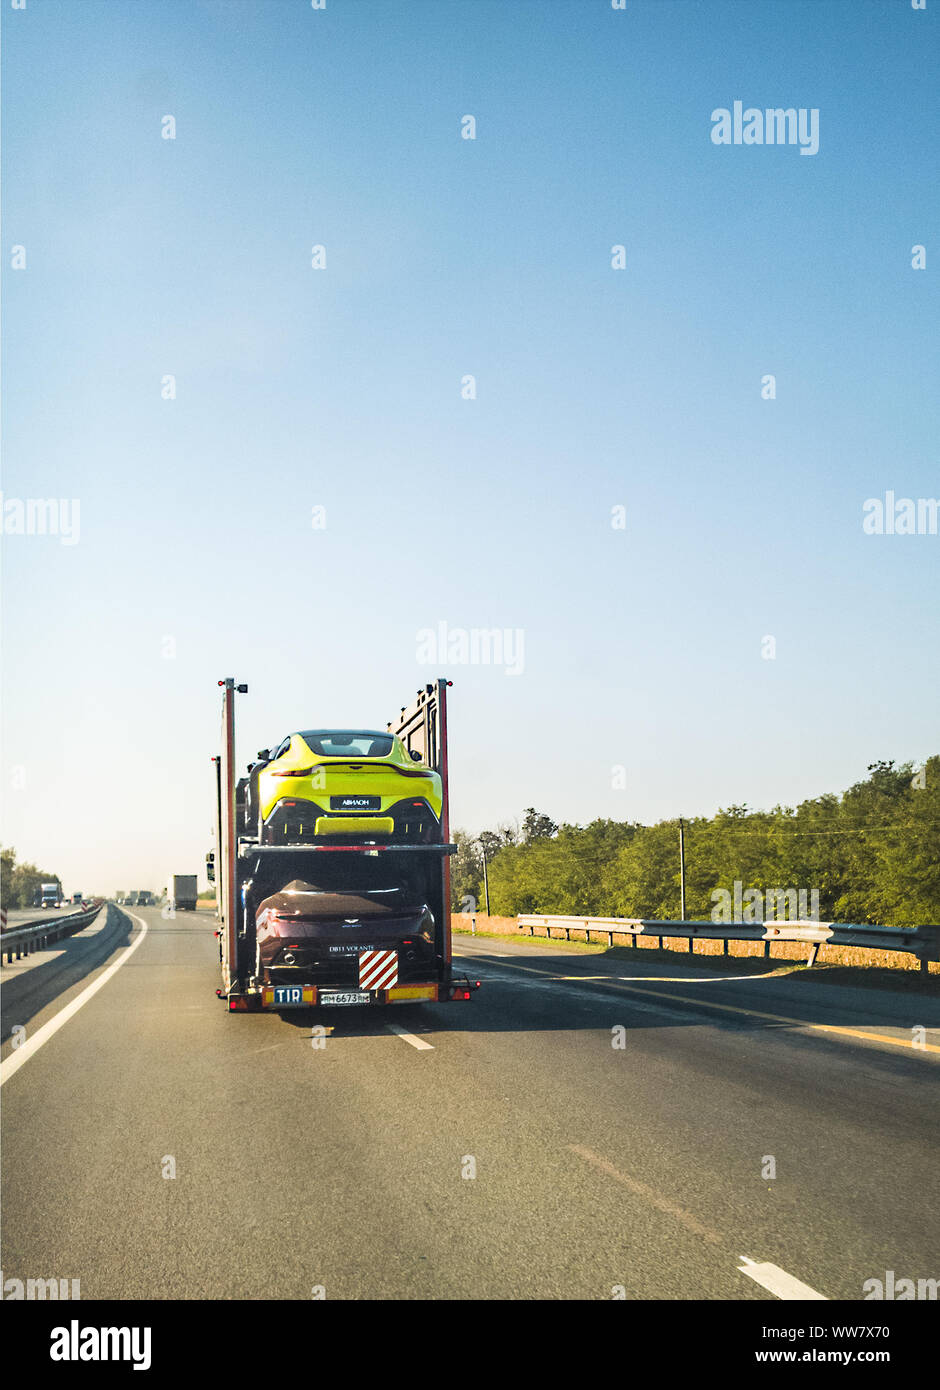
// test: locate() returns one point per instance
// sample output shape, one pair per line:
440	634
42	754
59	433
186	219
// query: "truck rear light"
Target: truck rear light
238	1004
464	991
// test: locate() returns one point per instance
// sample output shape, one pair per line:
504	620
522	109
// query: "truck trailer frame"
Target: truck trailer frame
246	871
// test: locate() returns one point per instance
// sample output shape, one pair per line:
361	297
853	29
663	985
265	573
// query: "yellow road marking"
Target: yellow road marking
748	1013
649	1194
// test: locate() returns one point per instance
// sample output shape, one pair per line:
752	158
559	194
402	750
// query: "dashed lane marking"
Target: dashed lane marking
407	1037
777	1281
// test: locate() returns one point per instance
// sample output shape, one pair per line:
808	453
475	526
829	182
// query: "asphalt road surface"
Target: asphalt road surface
504	1148
22	916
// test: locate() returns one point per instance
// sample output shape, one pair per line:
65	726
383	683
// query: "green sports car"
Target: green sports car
343	785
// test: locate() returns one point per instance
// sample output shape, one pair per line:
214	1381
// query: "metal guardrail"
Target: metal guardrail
923	942
37	935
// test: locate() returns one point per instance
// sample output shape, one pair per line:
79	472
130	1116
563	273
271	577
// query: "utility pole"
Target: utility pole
486	885
682	868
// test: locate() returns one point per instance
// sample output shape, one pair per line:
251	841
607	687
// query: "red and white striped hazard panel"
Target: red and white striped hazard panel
378	969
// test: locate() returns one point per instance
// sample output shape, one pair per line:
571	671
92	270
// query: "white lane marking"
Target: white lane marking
12	1064
621	984
654	979
548	986
777	1281
419	1043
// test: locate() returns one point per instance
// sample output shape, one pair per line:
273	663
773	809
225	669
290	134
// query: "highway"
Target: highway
498	1149
22	916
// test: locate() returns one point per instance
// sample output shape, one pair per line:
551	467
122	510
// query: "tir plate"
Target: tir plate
288	996
331	996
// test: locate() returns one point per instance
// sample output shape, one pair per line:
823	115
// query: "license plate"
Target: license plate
288	996
330	996
355	803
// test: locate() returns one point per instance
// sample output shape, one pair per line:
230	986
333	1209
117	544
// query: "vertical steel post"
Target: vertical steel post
682	869
226	874
445	808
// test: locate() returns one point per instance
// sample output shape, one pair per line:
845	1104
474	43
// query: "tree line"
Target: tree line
19	883
872	855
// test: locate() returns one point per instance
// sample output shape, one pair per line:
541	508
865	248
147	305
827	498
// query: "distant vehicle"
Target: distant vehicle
342	784
78	897
145	899
131	899
181	892
50	895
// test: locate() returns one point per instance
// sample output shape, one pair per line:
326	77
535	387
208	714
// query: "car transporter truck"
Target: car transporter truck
325	902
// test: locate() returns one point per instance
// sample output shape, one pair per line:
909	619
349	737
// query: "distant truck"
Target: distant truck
144	898
78	897
50	894
131	899
181	892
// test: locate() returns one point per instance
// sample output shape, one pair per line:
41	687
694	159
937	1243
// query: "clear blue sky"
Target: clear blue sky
341	388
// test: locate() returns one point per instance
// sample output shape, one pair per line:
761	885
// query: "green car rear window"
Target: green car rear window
347	743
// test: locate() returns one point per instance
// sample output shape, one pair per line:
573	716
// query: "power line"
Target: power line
792	834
